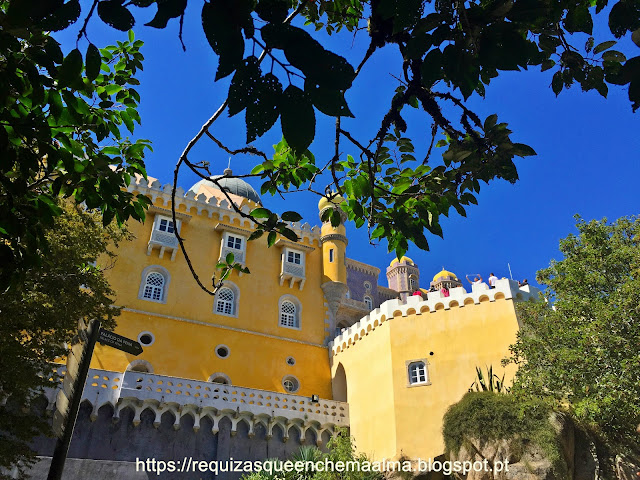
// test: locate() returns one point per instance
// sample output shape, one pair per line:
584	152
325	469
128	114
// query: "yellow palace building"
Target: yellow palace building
304	344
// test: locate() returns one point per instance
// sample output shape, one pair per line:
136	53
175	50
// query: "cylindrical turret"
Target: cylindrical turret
334	243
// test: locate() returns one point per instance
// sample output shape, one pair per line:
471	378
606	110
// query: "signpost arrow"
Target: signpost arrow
118	341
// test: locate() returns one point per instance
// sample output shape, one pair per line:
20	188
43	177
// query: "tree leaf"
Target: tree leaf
330	102
113	13
223	30
62	17
71	68
94	62
167	9
290	216
260	213
604	45
298	119
271	239
263	111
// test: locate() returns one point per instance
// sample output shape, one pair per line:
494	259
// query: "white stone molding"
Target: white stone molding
180	396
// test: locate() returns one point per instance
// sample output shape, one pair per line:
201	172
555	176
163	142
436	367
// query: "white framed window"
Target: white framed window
233	243
413	285
289	312
368	301
165	224
417	372
226	300
294	257
154	284
290	384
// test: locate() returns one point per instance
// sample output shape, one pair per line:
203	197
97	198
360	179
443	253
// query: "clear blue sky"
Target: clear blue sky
588	148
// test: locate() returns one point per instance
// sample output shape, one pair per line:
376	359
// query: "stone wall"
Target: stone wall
107	448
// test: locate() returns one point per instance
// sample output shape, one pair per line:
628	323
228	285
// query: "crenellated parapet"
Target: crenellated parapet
178	396
208	205
435	302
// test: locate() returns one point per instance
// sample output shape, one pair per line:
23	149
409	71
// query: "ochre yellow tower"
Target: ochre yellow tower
334	268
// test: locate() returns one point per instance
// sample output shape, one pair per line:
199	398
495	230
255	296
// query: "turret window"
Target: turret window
418	373
331	255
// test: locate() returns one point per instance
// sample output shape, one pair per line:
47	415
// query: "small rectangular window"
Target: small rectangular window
331	254
294	257
166	225
234	242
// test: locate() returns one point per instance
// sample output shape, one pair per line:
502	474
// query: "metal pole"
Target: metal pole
510	274
62	444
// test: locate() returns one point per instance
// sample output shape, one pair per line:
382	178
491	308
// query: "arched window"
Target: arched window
139	366
225	301
418	373
289	311
288	314
154	284
368	302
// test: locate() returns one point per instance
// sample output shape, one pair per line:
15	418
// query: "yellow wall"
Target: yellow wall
186	329
460	338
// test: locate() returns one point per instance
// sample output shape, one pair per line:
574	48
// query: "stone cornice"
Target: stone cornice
167	212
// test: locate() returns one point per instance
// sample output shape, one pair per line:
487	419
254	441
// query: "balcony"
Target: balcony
292	272
238	255
165	241
182	396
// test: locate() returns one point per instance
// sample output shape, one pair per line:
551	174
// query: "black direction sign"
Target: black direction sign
118	341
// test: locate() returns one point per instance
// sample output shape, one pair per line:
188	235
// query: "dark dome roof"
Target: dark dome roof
236	186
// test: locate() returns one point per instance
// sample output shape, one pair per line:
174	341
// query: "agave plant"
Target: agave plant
492	383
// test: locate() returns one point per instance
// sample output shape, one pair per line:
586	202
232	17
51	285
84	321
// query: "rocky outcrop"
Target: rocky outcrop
577	457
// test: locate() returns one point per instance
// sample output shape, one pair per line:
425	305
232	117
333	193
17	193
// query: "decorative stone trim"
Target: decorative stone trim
334	236
415	305
167	212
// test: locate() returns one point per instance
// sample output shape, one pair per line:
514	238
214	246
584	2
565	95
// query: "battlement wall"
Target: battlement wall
415	305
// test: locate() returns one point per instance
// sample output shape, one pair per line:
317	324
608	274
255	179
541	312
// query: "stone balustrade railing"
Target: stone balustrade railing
436	301
180	396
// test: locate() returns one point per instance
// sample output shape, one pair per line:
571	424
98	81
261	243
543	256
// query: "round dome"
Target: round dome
324	202
236	186
402	260
444	274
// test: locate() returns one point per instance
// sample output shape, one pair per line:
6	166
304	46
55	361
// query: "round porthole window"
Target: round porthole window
146	339
290	384
367	286
291	361
222	351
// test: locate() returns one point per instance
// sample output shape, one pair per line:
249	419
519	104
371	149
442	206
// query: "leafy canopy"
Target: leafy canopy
450	51
62	122
41	314
582	352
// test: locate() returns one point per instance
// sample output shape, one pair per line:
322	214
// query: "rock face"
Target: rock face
520	460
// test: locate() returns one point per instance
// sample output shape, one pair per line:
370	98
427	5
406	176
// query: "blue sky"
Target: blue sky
588	147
